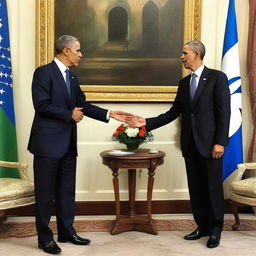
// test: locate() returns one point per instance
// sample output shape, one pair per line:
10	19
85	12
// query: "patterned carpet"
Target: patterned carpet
18	229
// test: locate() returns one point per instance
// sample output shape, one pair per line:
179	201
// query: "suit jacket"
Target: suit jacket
206	117
53	129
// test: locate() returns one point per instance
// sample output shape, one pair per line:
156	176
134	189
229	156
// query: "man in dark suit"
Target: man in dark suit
203	102
59	104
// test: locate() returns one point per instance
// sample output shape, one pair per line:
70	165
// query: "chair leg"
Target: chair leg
254	209
3	216
234	207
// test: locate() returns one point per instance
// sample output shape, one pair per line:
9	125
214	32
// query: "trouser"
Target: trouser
206	190
55	183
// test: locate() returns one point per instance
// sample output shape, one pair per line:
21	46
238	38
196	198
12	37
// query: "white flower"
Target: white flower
131	132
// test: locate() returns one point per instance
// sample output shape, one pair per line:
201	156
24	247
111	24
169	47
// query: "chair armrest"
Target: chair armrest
241	168
22	168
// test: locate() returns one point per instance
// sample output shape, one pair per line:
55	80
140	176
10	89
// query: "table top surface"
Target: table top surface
138	154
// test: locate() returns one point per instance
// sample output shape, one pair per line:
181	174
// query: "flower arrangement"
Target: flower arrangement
132	137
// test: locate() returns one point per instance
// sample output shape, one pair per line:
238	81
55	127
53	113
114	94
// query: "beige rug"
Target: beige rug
26	229
239	243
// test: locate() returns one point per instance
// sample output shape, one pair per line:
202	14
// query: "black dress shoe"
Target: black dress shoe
197	234
213	241
49	247
75	239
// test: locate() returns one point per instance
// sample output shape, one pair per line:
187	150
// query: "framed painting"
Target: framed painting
131	48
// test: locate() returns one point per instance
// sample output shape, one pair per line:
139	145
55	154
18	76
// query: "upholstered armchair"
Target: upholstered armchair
243	191
15	192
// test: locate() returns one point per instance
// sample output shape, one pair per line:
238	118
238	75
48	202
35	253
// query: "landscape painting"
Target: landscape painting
131	48
128	42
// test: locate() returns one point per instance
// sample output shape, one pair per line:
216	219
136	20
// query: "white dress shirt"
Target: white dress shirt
61	67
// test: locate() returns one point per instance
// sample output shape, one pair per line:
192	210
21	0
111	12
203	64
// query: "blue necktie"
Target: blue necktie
68	81
193	85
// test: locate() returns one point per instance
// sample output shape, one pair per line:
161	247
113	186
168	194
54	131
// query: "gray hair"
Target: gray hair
64	41
198	47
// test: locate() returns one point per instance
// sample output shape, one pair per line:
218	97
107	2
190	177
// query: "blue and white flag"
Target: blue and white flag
230	66
8	142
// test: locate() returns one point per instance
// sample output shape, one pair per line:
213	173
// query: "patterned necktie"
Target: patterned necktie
193	85
68	81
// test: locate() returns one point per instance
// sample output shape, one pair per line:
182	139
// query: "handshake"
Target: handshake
122	116
131	119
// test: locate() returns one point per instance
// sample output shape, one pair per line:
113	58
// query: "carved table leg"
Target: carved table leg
151	173
145	223
132	191
117	198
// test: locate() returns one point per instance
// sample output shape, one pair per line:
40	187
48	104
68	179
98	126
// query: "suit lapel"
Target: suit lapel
61	82
187	88
72	87
201	84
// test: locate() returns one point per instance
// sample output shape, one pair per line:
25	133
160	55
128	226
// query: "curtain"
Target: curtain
251	72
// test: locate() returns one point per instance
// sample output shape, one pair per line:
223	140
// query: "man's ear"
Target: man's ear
199	56
65	51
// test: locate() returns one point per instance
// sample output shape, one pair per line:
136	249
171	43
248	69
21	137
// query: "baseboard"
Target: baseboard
108	208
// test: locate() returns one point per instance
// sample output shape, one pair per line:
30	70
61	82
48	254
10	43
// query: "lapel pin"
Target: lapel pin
204	78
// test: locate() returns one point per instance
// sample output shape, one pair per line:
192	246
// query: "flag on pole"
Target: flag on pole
8	142
230	66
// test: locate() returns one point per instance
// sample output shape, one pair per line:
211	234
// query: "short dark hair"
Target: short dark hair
63	42
197	46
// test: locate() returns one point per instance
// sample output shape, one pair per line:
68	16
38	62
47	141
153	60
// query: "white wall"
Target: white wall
22	40
94	181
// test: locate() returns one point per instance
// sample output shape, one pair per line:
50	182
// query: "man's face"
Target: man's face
74	54
189	58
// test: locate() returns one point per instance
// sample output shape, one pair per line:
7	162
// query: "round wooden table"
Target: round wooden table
140	159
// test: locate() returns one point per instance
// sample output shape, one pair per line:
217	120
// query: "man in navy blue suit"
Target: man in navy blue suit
203	103
59	105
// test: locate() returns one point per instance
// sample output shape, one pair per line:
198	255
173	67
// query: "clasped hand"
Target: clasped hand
77	114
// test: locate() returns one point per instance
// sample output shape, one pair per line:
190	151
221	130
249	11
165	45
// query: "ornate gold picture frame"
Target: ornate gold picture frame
45	13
